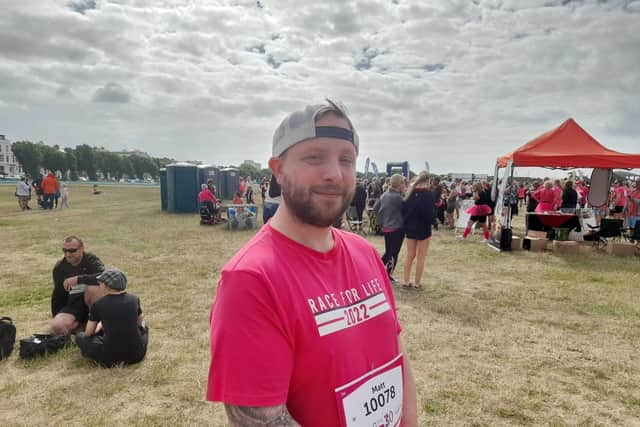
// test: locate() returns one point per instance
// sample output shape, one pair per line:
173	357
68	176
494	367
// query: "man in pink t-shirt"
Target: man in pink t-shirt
303	326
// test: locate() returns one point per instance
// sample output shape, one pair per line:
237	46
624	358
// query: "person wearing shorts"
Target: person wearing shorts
619	200
75	286
300	342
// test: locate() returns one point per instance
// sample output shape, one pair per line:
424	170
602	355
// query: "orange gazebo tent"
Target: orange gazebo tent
569	146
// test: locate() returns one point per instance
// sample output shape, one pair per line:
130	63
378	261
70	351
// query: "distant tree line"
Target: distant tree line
85	161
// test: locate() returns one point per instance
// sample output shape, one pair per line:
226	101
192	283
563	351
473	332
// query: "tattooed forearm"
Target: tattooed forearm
267	416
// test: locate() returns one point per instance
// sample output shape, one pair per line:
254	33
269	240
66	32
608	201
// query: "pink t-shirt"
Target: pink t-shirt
582	192
290	324
620	195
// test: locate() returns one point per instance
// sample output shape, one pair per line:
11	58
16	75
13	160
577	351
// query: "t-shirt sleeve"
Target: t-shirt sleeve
251	349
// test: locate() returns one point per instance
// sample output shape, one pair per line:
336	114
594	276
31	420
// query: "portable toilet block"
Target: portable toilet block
206	173
229	183
182	187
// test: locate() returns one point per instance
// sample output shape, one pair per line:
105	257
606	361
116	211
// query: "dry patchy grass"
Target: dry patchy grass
495	339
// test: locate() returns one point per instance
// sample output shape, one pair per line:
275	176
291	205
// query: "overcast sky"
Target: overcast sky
452	82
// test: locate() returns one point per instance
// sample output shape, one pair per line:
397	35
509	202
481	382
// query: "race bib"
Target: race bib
374	399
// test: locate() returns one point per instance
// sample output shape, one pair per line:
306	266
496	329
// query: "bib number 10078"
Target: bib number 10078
375	399
379	401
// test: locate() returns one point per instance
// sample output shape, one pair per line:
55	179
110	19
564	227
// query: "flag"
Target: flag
374	167
366	167
426	166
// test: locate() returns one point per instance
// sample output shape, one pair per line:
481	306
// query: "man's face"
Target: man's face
318	176
73	252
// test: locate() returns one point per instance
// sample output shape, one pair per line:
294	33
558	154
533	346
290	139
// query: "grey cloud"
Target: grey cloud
81	6
112	93
433	67
365	57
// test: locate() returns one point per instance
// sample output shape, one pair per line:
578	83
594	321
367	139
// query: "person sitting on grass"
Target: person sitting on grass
75	287
95	190
115	332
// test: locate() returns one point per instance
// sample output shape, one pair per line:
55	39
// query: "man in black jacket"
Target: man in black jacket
75	287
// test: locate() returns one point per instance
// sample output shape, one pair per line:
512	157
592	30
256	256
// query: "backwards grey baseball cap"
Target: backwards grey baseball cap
301	125
113	278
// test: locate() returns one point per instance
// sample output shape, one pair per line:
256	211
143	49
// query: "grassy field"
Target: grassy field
495	339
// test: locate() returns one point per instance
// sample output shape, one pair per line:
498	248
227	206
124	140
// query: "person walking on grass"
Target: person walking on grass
23	193
300	352
452	203
479	212
115	332
64	196
419	212
388	209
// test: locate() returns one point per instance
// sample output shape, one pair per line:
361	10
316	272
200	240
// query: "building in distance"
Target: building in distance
9	166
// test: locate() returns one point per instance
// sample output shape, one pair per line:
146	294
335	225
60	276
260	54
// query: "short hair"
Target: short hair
395	181
71	238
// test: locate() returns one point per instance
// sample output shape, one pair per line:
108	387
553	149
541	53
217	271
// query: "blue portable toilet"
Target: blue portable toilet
206	173
163	189
229	183
182	187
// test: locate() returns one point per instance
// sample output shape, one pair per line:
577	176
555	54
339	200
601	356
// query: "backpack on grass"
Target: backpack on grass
42	344
7	337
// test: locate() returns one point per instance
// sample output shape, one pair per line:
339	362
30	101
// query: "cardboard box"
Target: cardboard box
585	248
565	247
535	244
516	243
620	248
537	234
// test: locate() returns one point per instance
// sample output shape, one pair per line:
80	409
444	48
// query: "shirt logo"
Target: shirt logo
345	317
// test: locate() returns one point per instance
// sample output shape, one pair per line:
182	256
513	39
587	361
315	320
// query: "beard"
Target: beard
301	202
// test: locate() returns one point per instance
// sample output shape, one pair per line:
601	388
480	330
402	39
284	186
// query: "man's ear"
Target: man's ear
275	164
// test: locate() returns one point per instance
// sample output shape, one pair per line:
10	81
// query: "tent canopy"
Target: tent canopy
569	146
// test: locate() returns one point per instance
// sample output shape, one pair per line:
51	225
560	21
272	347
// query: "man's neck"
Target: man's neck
316	238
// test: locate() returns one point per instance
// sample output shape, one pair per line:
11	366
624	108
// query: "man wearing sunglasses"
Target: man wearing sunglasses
75	287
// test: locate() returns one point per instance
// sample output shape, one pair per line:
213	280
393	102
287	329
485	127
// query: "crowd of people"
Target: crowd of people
49	190
567	196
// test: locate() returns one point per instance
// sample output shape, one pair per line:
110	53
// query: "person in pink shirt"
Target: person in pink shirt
582	191
522	191
619	200
546	197
304	330
557	190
